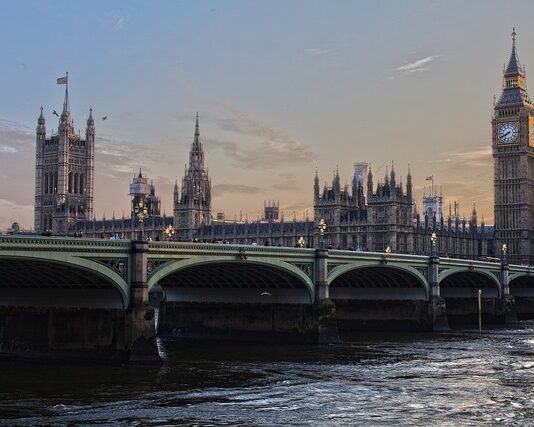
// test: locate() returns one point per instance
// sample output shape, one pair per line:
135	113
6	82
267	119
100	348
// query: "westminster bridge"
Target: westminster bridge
76	297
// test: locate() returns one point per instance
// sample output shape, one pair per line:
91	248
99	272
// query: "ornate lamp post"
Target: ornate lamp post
141	211
434	240
169	232
504	251
301	242
322	228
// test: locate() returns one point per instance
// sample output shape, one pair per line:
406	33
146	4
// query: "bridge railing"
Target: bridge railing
210	248
69	243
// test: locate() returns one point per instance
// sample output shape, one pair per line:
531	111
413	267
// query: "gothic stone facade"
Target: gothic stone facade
64	166
381	217
367	219
513	154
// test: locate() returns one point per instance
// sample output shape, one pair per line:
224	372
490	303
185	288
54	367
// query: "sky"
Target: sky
283	88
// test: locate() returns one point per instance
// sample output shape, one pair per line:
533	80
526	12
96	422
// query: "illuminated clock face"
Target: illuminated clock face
508	132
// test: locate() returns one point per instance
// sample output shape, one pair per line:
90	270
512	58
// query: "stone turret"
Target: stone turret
194	207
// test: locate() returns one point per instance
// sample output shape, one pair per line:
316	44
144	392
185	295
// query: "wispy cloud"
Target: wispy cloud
124	157
467	178
11	211
423	64
119	24
222	189
14	137
299	207
7	149
477	157
266	148
316	51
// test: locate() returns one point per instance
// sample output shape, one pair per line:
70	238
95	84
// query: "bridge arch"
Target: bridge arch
251	276
58	279
462	282
521	284
407	281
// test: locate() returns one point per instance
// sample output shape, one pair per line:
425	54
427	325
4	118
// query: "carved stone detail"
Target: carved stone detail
307	268
118	265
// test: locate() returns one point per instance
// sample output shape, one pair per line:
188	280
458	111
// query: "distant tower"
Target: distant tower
359	183
271	210
193	208
433	204
141	189
513	160
316	187
64	174
389	215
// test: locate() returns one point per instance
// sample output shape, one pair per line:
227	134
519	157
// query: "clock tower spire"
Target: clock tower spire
513	161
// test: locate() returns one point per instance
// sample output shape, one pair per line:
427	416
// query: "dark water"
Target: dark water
458	378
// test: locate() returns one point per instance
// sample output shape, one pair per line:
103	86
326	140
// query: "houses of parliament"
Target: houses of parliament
372	215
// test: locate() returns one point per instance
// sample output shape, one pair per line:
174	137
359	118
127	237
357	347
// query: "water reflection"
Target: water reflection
410	379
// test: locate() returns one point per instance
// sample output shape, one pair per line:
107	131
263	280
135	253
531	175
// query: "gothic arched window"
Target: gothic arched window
70	183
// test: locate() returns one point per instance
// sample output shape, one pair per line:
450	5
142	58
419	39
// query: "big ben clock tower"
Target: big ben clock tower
513	161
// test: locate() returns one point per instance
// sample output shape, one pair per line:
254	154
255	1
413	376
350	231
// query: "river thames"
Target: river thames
452	378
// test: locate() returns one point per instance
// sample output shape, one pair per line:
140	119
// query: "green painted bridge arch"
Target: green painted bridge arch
464	281
234	273
62	272
130	272
521	283
378	280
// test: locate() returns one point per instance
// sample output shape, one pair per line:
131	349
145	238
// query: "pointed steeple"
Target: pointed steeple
65	120
316	185
370	181
514	66
196	155
409	186
66	106
90	120
514	83
336	184
41	119
140	174
41	127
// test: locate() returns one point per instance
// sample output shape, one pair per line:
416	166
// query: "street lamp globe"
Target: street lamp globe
322	228
169	232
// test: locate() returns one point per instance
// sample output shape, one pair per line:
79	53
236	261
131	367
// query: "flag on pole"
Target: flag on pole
429	178
62	80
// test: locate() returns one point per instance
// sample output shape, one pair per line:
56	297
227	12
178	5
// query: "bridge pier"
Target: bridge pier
325	309
140	328
507	307
76	329
437	305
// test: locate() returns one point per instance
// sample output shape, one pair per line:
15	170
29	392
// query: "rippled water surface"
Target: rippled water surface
426	379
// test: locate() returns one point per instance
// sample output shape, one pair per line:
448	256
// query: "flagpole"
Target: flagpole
67	89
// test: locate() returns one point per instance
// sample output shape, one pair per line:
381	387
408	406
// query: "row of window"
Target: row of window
75	183
509	112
